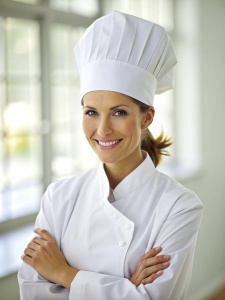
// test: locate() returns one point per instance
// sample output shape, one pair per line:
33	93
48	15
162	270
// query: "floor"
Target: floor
219	296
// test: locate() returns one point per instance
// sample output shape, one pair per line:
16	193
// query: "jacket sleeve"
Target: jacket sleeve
177	237
32	284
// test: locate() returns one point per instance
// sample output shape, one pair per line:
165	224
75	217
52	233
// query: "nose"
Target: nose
104	128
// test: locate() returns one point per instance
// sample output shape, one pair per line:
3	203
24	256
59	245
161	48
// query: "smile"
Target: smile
108	143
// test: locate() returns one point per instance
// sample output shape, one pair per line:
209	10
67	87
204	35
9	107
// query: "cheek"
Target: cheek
130	127
88	127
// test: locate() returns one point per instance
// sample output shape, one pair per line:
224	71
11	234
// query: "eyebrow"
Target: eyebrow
114	107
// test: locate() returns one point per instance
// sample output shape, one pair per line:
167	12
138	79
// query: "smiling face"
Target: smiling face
112	124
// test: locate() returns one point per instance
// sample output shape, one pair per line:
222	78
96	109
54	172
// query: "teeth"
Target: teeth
108	143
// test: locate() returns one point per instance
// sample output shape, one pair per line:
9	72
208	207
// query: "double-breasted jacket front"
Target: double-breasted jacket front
105	239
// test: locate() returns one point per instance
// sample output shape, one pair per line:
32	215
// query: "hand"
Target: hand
44	255
150	267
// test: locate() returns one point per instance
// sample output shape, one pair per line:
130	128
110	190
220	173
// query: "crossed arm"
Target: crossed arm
44	255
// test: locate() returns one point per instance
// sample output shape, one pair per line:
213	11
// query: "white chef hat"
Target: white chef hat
126	54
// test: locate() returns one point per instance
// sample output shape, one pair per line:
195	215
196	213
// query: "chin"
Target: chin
108	159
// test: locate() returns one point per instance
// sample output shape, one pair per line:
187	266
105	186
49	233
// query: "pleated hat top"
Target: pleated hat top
126	54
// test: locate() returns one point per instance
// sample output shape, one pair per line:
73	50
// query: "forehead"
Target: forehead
106	98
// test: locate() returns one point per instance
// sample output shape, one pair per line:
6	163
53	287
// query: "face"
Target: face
112	124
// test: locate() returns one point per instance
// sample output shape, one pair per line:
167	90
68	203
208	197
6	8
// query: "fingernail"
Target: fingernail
166	263
159	272
166	256
157	248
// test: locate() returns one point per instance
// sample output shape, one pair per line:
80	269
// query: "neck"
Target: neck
116	172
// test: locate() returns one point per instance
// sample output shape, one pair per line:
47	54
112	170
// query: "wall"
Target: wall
9	289
209	266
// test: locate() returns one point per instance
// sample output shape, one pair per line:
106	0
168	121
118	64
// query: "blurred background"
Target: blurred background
40	117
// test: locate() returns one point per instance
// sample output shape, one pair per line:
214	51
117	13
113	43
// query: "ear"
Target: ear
148	118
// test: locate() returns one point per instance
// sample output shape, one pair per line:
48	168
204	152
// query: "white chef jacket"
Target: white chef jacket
106	239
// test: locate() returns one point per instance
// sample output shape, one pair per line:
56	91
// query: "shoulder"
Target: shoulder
76	180
177	195
71	185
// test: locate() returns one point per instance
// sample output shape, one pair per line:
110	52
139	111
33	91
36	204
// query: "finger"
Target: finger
29	252
152	277
38	241
153	252
44	234
159	267
27	259
33	246
153	261
156	260
148	272
143	261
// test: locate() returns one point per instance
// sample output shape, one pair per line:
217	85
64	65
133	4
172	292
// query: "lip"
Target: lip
108	141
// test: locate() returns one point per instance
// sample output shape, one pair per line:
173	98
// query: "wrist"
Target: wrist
67	276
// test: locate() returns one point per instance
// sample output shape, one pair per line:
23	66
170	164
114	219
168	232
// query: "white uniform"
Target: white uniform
106	240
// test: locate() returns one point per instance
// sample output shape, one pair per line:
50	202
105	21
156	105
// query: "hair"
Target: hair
156	147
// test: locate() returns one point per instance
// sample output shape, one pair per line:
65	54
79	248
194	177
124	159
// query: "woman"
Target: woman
122	230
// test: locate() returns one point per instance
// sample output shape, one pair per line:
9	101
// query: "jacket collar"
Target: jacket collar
131	182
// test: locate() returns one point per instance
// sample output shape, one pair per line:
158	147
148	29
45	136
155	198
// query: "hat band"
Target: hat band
118	76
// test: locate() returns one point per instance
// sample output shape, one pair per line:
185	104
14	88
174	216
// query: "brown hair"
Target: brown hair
156	147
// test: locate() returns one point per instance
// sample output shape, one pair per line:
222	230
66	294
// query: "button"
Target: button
128	226
122	243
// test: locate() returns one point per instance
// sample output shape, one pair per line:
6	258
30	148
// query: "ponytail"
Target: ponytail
156	147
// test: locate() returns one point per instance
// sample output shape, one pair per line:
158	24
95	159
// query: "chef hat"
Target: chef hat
126	54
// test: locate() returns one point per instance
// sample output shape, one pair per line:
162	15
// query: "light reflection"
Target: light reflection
16	117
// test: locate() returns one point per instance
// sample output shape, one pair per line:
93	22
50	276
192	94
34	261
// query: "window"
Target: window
40	134
82	7
28	1
68	143
21	172
40	108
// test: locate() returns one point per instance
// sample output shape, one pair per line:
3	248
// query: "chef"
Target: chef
122	230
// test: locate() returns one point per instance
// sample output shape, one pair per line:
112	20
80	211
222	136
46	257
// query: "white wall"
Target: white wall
209	17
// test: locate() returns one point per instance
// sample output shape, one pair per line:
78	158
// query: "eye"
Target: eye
120	113
90	113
